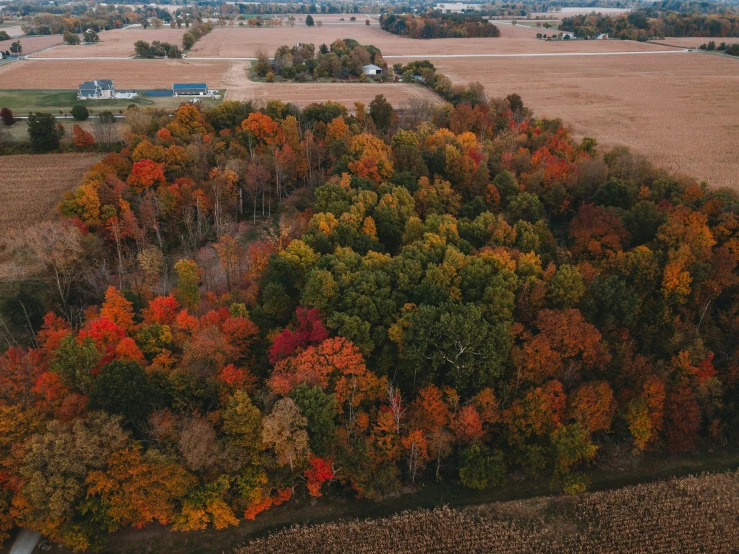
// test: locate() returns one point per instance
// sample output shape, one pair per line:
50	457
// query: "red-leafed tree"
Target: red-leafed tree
319	472
308	331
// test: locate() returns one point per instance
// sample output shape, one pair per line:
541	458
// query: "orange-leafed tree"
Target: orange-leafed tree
145	175
592	406
597	233
138	488
81	138
565	346
538	413
117	309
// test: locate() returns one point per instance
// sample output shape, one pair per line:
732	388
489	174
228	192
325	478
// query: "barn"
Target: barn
189	89
372	69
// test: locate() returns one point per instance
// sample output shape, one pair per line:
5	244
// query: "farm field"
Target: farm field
345	93
21	102
29	196
695	42
244	42
115	43
683	515
126	74
240	87
655	104
32	43
13	29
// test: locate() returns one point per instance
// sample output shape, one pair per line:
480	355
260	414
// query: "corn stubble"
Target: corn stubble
694	514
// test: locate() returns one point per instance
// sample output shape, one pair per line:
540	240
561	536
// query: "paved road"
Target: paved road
428	56
25	542
540	55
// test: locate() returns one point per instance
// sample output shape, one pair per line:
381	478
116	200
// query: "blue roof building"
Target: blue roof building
190	89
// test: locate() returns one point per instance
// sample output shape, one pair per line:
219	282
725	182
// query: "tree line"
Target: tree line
435	24
247	305
649	23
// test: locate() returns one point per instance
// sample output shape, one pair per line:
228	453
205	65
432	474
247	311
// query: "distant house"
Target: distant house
95	90
189	89
372	69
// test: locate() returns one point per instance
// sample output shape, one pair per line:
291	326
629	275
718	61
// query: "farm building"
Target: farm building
97	89
372	69
189	89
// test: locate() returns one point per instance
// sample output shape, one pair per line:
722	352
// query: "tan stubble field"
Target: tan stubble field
681	111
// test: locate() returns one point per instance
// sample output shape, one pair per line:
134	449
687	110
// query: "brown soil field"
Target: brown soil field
679	110
30	193
126	74
32	44
13	31
694	42
239	87
244	42
116	43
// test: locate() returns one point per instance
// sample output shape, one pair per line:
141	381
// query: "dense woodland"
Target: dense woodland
246	306
434	24
645	24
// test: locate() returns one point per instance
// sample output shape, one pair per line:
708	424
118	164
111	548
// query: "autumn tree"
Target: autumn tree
283	430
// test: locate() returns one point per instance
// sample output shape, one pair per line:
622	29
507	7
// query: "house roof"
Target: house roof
104	84
188	86
372	66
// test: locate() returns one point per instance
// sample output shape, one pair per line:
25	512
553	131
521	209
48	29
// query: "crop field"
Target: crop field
13	29
33	43
239	87
658	105
126	74
694	514
518	39
29	194
115	43
695	42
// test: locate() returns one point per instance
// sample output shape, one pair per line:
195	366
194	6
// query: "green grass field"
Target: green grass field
60	102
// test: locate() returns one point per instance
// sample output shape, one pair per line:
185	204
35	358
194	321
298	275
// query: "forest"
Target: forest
646	24
434	24
244	306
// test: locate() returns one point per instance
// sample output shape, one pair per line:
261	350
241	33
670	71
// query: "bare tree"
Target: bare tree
55	249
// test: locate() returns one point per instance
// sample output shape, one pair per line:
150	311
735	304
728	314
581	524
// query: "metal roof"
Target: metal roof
187	86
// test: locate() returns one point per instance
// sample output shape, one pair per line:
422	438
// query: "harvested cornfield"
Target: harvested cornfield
115	43
694	514
33	185
126	74
32	43
658	105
